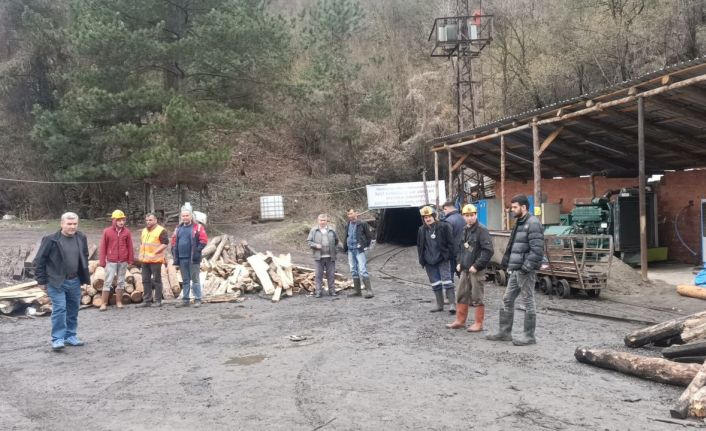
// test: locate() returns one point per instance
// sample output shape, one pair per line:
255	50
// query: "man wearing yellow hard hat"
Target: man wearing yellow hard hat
435	246
473	253
115	254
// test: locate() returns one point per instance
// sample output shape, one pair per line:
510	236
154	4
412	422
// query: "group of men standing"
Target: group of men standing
461	244
323	242
61	266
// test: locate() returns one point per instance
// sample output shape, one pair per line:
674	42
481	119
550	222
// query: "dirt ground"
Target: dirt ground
384	363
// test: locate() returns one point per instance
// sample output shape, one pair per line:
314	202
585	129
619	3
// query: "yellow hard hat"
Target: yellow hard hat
468	209
117	214
427	211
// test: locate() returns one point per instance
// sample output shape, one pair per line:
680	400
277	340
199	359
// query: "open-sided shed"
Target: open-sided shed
648	125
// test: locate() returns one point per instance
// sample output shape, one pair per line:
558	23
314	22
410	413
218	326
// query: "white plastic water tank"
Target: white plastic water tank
271	208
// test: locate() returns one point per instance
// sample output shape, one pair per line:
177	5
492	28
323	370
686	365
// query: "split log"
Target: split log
664	330
277	294
211	247
97	300
216	254
18	269
86	299
655	369
92	250
257	262
136	297
693	330
691	349
129	287
98	278
681	407
90	290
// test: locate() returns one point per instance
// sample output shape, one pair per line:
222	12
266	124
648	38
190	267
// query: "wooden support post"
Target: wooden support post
536	163
449	187
502	181
641	185
436	178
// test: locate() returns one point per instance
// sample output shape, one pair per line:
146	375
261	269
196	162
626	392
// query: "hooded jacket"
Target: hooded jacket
116	245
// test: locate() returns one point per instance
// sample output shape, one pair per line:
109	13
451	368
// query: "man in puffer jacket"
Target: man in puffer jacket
522	259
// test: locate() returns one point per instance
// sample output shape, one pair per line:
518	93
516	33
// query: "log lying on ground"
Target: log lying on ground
691	291
211	246
655	369
697	404
98	278
669	329
681	407
680	350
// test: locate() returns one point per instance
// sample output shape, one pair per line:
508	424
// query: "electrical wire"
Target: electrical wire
676	230
301	195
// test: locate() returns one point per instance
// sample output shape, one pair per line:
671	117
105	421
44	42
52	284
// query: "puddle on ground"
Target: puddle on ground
232	316
245	360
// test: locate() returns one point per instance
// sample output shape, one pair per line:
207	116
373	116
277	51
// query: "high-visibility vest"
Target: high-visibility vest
149	245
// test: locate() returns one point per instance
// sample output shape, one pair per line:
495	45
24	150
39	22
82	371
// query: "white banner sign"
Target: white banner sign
399	195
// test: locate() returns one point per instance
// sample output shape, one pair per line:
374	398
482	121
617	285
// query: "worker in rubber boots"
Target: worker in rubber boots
473	252
435	246
153	244
522	259
357	241
188	240
115	254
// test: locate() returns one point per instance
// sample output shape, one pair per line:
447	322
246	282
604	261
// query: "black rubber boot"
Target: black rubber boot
505	331
527	336
451	296
356	287
368	289
439	301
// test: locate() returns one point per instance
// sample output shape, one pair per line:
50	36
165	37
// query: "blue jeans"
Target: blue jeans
357	260
190	277
65	301
440	275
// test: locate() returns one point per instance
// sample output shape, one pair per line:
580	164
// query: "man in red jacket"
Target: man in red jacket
115	254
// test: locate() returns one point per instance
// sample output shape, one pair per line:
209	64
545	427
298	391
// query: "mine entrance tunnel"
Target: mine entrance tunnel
399	226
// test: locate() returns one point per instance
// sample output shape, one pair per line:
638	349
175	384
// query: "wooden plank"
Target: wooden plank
257	262
459	162
91	251
18	269
21	286
549	139
29	261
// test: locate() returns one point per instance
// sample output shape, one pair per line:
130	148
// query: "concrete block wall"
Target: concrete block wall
674	191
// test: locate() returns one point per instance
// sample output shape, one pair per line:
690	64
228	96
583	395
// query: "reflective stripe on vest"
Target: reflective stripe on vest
149	245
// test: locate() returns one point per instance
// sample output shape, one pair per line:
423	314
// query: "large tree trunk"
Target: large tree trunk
668	329
656	369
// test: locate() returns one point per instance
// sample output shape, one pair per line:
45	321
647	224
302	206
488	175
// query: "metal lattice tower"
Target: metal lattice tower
461	38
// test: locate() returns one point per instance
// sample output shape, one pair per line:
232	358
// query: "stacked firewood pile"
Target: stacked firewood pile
231	268
682	361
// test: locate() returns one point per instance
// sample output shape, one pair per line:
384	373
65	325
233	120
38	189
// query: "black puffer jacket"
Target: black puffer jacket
442	246
479	250
525	250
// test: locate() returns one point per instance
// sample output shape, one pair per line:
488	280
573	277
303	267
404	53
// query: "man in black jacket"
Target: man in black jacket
522	258
61	266
356	244
435	246
473	252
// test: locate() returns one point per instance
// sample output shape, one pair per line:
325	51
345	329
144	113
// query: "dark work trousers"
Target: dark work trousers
325	264
150	270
